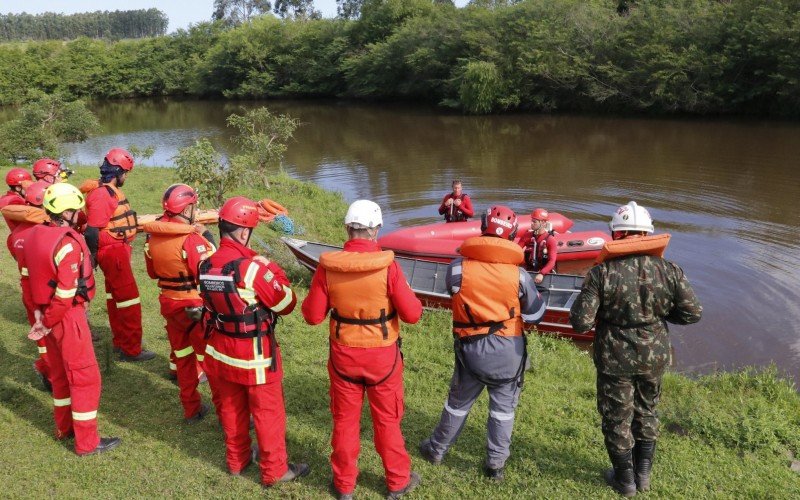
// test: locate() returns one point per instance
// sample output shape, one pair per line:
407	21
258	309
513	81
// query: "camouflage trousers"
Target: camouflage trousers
627	405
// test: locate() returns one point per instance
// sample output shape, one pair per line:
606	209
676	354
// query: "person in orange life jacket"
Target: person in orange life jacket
15	178
174	249
243	294
24	218
629	296
492	297
111	228
367	294
456	206
541	249
61	286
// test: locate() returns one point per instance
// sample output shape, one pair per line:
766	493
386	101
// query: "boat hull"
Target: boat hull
426	279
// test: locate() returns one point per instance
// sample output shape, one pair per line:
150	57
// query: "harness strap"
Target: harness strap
381	320
494	326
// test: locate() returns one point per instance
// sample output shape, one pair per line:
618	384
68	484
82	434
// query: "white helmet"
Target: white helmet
364	213
631	217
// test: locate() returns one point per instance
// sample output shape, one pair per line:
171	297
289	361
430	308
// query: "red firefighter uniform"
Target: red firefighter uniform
172	254
61	284
367	294
11	198
107	208
25	218
243	293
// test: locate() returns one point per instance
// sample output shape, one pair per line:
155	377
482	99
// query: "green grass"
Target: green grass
726	435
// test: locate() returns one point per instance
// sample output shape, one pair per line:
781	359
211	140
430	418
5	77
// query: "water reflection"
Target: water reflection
726	190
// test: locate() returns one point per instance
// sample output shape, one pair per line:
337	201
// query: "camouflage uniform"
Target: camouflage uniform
632	298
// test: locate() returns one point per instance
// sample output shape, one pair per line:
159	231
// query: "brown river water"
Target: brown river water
727	190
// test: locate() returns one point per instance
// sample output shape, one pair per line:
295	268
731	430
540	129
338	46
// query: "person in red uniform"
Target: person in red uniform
61	286
50	170
25	217
111	228
15	178
456	206
367	294
541	249
243	294
175	246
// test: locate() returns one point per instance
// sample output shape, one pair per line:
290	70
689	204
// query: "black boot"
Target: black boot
643	453
621	477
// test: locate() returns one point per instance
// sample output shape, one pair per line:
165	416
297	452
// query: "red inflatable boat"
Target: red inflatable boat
439	242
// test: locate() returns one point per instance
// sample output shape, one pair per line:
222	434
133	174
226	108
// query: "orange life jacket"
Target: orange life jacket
164	246
362	314
644	245
24	213
39	258
123	223
488	300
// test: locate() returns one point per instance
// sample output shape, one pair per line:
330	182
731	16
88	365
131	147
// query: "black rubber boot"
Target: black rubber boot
621	477
105	444
643	453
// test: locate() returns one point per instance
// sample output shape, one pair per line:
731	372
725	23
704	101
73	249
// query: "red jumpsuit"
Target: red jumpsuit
16	241
369	365
74	373
179	255
114	257
245	374
455	213
11	198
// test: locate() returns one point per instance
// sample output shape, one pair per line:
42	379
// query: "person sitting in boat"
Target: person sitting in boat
456	206
540	247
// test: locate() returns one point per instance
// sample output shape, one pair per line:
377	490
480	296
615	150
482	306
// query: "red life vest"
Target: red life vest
228	312
361	313
16	243
39	255
454	213
537	253
488	300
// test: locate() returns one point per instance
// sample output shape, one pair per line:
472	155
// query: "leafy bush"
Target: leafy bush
261	137
42	125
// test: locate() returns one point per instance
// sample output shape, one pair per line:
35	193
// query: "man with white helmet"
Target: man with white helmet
367	294
631	295
61	284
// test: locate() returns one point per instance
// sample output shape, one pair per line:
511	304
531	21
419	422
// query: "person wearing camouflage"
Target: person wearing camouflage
629	297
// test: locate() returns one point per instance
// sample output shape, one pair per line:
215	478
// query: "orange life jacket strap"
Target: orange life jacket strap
381	320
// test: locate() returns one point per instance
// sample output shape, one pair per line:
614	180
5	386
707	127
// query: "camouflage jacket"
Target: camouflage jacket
632	298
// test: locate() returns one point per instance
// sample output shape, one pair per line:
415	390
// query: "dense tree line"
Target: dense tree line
100	24
660	56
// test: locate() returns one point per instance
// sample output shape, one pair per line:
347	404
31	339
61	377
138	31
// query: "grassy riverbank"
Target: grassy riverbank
728	435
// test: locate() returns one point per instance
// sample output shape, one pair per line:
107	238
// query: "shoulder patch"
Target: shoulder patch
268	276
200	248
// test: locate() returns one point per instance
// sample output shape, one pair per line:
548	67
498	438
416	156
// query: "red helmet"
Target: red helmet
120	158
540	214
15	176
177	197
46	166
499	221
34	193
240	211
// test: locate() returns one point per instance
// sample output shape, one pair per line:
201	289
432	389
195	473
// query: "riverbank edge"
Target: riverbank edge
746	423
